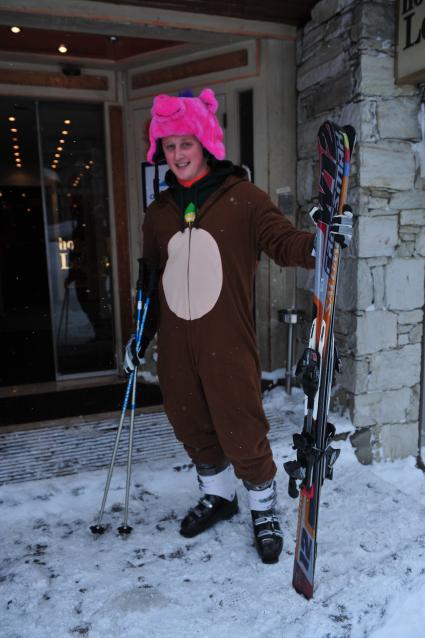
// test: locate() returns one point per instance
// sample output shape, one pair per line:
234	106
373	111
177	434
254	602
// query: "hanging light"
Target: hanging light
15	29
62	48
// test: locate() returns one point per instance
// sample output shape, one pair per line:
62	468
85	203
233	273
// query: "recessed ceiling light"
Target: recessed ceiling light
15	29
13	130
16	153
57	155
61	141
113	38
12	118
65	132
67	121
16	146
62	48
87	166
59	148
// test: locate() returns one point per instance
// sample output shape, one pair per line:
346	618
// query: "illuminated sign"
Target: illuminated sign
64	248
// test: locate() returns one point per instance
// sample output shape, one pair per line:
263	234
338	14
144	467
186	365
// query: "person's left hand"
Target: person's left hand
341	226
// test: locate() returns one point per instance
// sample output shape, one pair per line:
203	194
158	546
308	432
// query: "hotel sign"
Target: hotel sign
410	60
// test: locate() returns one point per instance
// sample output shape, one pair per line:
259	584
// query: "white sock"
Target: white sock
262	499
221	484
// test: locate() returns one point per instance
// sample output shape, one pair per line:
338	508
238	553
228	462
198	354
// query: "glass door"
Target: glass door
25	320
78	236
63	239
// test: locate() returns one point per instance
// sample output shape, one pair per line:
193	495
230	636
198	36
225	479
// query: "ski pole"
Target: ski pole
98	528
125	528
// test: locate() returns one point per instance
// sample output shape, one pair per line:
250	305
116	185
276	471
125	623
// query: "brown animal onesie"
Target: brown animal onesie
208	363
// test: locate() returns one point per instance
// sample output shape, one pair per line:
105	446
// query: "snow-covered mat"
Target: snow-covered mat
59	580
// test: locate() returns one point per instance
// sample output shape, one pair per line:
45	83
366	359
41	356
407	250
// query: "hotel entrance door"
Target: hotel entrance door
56	304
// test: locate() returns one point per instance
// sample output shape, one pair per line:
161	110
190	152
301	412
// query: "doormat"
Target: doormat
69	403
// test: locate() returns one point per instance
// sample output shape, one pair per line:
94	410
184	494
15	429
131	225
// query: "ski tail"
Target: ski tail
315	456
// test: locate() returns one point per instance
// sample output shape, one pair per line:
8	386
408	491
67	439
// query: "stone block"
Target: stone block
377	408
377	23
420	243
326	9
376	330
403	340
365	285
306	142
305	182
405	249
398	119
393	369
332	94
407	200
379	204
396	441
354	375
404	284
347	288
378	236
378	275
413	413
311	76
386	167
413	217
410	316
376	77
416	334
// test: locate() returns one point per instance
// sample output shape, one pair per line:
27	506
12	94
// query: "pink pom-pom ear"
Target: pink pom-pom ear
208	98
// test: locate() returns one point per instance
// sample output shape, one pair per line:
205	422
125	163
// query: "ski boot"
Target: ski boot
267	532
218	503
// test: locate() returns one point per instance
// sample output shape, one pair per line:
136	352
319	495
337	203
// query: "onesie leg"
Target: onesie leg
188	412
233	392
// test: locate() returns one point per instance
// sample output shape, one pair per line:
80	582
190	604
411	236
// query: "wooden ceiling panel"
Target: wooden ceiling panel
293	12
79	45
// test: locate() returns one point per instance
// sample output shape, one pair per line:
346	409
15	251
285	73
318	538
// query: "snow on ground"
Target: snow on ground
59	580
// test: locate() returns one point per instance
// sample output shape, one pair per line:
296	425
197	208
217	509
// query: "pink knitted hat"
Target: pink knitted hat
187	116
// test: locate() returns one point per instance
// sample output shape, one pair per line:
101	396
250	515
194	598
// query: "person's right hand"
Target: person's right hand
134	357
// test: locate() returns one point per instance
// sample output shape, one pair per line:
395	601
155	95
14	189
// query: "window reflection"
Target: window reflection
75	191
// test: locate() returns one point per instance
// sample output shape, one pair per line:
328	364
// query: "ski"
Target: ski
315	455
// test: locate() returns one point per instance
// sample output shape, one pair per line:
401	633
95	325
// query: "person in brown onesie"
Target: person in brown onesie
204	234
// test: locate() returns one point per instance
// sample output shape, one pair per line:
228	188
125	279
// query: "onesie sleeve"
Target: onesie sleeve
151	256
279	239
150	245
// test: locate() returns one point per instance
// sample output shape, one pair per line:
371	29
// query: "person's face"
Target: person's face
184	156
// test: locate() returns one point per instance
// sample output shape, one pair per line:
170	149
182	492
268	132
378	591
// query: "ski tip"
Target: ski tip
350	132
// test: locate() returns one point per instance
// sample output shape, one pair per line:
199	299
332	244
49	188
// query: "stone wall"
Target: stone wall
345	64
